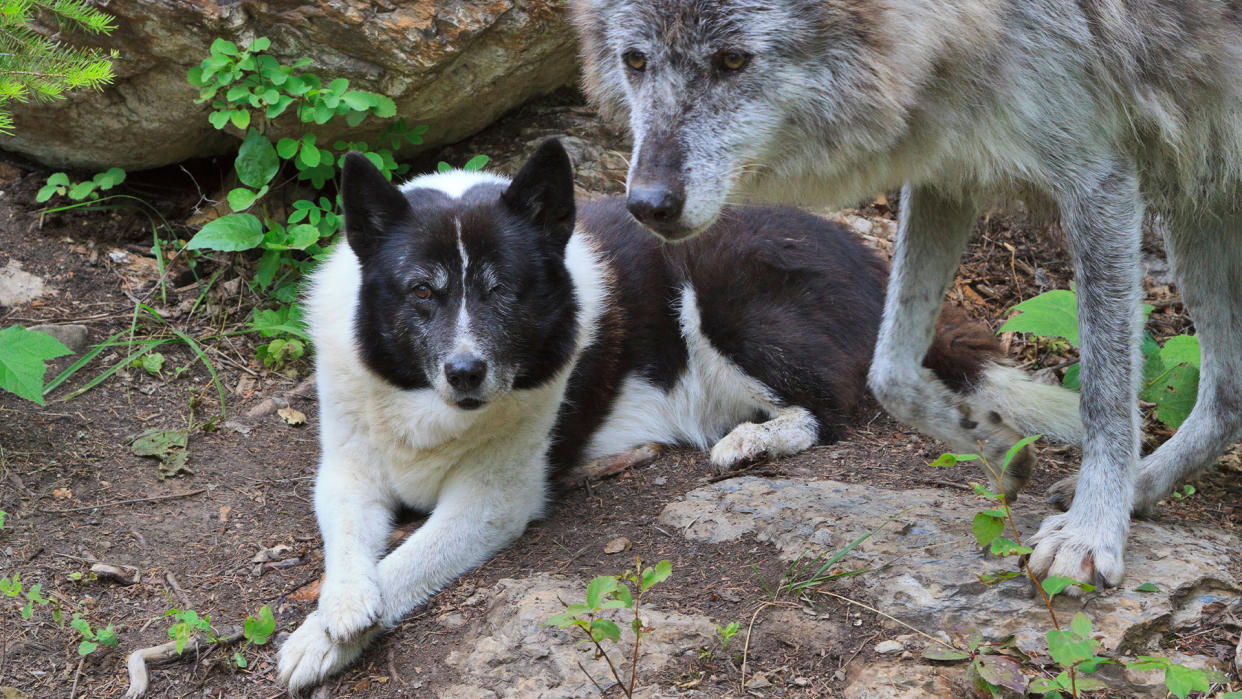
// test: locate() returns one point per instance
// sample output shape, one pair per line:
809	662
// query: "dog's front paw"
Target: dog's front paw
310	655
1086	551
746	443
347	608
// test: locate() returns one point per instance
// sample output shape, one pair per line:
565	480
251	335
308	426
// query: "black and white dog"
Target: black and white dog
475	336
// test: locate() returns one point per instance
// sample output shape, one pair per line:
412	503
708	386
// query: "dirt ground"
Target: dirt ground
76	494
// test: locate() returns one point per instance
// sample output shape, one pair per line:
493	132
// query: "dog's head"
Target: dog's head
464	285
723	94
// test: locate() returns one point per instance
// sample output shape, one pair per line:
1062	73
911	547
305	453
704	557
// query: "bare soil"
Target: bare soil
75	493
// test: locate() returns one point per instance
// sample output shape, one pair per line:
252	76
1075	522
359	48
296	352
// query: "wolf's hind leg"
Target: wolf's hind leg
791	430
932	234
1206	252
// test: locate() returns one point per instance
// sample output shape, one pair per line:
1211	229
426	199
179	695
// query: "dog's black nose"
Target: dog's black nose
465	372
655	205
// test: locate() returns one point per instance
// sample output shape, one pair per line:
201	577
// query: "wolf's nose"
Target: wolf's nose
655	205
465	372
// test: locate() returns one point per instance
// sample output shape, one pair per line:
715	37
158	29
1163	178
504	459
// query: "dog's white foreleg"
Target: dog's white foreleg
481	509
1102	215
931	235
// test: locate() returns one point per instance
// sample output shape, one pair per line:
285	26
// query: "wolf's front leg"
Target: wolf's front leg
1102	218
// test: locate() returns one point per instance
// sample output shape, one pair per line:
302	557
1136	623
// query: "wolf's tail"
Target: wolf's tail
968	357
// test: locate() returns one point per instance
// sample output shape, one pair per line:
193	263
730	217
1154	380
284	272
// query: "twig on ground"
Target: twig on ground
118	503
172	582
166	653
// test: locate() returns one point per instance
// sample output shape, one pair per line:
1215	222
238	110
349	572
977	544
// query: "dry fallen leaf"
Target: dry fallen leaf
308	592
292	416
224	513
617	545
62	494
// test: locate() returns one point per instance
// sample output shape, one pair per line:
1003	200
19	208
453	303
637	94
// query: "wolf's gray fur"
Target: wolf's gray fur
1100	112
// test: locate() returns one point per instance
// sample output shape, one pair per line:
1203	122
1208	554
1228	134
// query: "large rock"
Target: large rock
925	565
454	65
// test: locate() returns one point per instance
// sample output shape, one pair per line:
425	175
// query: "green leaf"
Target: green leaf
1184	680
261	43
946	460
623	595
598	588
1147	587
604	629
109	179
269	264
241	198
1004	547
994	578
309	157
87	647
45	192
560	621
259	630
228	233
23	360
239	660
1174	394
1081	625
478	162
1055	585
384	107
219	119
81	625
1181	349
358	100
1002	671
257	161
1042	685
987	528
240	118
302	236
1071	380
1013	451
224	47
153	363
2	516
81	190
1068	648
107	636
1051	314
443	167
945	654
659	573
287	147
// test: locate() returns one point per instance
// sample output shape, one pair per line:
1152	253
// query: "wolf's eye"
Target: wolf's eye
732	61
636	60
422	291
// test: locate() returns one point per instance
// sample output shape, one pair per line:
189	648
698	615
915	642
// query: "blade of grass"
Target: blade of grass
211	368
82	361
145	346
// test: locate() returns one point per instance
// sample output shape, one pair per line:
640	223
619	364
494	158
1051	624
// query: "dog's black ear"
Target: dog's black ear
543	191
372	204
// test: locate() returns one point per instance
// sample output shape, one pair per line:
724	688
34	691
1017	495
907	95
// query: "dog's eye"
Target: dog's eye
636	60
422	291
732	61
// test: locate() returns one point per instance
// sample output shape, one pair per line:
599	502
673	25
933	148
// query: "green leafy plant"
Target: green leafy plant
32	597
187	623
474	164
92	639
607	592
1170	373
1074	649
151	362
23	360
257	631
33	66
59	184
247	89
726	634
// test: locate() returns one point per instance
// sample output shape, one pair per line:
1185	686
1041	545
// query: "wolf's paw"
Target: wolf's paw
309	655
1083	550
745	444
348	607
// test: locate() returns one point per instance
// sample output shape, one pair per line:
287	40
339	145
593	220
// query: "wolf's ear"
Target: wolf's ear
372	205
543	191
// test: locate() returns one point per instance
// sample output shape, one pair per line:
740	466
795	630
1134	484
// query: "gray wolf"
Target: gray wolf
478	337
1096	112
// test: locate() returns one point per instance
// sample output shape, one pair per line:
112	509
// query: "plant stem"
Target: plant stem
638	634
611	668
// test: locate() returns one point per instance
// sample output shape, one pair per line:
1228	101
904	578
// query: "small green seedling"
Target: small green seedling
607	592
151	362
257	631
726	634
58	184
1186	491
187	623
92	639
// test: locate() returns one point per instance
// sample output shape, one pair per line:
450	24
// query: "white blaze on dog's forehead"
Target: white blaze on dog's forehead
464	343
453	183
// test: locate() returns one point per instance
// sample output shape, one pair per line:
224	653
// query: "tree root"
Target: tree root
167	653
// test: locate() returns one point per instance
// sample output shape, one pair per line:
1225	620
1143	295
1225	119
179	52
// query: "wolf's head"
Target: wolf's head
464	285
725	94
